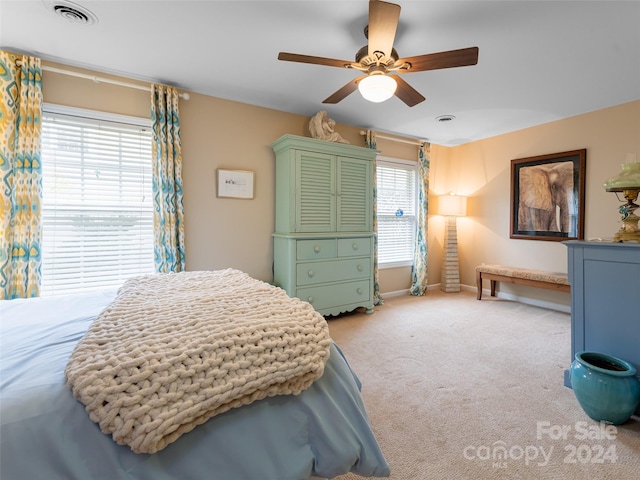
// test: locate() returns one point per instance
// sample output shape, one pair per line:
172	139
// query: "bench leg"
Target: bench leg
479	285
493	288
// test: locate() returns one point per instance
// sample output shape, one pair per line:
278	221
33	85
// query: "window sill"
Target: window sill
383	266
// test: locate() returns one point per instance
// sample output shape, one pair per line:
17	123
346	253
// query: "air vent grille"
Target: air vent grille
71	12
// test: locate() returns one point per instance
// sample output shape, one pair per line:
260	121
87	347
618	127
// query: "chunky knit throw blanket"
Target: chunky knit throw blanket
173	350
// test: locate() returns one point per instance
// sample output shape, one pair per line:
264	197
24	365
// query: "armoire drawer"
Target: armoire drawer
313	273
316	249
334	295
354	247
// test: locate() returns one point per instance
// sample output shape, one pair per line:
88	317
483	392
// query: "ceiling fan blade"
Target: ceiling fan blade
331	62
383	22
436	61
341	94
406	92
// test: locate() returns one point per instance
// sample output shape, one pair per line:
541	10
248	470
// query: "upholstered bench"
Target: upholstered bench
520	276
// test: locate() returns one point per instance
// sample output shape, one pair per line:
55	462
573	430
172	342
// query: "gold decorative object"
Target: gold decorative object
627	182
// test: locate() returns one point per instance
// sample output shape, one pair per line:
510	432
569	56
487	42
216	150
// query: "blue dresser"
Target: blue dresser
605	299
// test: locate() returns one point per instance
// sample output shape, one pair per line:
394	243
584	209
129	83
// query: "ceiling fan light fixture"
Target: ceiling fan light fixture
377	88
379	58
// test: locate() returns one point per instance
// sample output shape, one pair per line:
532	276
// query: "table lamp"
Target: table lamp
451	206
627	182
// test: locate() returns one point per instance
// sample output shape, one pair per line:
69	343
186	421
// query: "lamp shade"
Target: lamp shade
377	88
628	179
452	205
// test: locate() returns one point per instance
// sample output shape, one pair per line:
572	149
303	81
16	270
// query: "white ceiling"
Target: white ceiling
539	60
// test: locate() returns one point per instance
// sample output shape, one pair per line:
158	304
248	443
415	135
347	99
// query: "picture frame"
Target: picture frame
548	196
235	183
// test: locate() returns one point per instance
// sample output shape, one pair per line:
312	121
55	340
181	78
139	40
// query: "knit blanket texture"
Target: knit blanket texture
173	350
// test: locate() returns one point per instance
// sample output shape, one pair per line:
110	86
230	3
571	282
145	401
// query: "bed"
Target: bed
45	432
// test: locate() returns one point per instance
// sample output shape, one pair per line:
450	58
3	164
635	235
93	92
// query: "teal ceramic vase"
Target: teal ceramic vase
606	387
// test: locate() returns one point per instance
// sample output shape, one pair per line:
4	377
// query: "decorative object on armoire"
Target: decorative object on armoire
378	58
322	127
323	243
606	387
627	182
451	206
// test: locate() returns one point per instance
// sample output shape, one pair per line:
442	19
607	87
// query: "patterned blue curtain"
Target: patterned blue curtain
20	176
370	142
168	211
419	272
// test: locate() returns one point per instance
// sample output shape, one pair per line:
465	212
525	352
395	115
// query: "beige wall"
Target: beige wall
482	171
217	133
222	232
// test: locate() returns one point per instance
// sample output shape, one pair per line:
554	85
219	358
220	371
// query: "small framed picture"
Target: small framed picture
547	196
235	183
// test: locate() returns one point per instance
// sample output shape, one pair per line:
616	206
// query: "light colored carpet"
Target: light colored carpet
458	388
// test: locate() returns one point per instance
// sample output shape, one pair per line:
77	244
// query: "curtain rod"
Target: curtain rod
393	139
100	79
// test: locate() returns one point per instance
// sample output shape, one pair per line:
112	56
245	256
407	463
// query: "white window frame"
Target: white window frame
90	116
413	165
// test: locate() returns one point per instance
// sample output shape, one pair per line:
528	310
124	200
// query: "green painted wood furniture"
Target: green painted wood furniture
323	240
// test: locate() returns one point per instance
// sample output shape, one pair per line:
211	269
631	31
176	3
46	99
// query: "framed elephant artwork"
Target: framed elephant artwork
548	195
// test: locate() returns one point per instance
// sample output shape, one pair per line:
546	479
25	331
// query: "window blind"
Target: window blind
396	189
97	208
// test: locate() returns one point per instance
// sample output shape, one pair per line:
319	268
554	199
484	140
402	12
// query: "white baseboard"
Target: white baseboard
402	293
397	293
560	307
536	302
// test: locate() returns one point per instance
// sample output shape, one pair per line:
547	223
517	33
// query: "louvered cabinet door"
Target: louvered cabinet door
323	240
354	195
315	192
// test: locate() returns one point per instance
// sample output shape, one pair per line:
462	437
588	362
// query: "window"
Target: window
97	207
397	206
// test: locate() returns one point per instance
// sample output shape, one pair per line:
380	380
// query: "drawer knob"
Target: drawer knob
311	273
316	248
359	291
360	268
310	299
354	246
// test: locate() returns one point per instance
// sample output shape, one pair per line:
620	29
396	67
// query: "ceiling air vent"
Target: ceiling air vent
72	12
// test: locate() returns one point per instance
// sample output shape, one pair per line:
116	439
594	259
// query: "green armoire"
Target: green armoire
323	240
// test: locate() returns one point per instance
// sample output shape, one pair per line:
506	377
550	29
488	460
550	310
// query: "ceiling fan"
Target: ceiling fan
380	61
